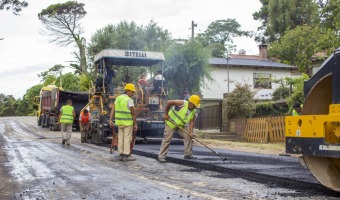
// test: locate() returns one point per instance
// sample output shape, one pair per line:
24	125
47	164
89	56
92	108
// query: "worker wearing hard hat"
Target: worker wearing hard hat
125	119
181	113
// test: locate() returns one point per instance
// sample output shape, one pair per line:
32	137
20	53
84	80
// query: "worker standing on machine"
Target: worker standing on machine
66	117
180	114
125	119
84	124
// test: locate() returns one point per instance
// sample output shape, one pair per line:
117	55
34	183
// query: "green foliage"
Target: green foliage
330	15
280	93
298	46
69	82
284	15
219	36
262	15
128	35
297	95
15	5
25	106
269	109
241	101
84	82
187	68
8	105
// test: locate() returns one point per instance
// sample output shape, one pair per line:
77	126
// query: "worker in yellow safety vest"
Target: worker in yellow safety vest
66	117
297	109
125	119
181	113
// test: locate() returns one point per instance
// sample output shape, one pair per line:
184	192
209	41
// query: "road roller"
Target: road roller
315	134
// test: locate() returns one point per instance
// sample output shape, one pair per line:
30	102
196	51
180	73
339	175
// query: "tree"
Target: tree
25	106
279	16
128	35
8	105
262	15
219	36
187	68
297	85
241	101
15	5
330	14
62	24
299	45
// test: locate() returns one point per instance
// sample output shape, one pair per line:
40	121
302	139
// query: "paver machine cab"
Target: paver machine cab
316	133
148	100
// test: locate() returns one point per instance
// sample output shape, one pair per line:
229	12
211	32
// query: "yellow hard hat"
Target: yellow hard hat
130	86
196	100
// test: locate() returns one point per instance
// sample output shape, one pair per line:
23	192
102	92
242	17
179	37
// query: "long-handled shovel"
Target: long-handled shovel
174	123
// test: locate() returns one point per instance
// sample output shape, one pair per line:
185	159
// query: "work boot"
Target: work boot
129	158
191	157
161	160
63	142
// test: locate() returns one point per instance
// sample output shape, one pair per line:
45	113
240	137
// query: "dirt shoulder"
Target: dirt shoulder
272	149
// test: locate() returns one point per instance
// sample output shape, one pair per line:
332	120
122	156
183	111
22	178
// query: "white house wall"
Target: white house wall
241	75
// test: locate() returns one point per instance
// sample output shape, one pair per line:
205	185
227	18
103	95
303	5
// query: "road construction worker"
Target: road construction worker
181	113
84	124
125	119
297	109
66	117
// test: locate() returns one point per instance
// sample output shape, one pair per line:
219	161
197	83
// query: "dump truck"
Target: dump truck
148	104
315	134
49	102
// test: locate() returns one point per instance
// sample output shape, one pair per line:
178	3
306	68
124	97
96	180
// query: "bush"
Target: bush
280	93
269	109
241	101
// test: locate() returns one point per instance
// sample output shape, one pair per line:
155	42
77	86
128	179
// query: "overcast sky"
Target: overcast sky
25	52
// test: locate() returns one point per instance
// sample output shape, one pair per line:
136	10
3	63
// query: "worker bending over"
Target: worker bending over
84	124
181	113
125	119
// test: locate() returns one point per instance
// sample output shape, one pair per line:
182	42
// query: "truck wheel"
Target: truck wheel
53	125
43	119
39	121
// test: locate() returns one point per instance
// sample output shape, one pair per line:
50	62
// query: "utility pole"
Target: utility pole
193	29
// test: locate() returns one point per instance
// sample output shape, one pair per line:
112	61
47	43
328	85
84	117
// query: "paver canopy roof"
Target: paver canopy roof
128	57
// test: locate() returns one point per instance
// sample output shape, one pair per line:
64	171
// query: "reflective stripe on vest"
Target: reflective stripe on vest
123	115
180	117
67	114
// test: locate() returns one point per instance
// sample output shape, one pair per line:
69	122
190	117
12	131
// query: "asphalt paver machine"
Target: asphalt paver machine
148	104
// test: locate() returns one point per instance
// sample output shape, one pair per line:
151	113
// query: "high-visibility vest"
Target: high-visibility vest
294	113
180	117
85	119
123	115
67	114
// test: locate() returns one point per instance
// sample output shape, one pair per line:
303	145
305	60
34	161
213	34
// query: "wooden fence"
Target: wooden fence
266	129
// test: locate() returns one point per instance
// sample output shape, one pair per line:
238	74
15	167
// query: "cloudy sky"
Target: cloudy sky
25	52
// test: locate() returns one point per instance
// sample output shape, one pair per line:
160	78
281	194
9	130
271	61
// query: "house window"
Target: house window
262	81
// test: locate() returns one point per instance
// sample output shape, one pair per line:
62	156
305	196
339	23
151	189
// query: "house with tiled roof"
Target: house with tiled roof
255	70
